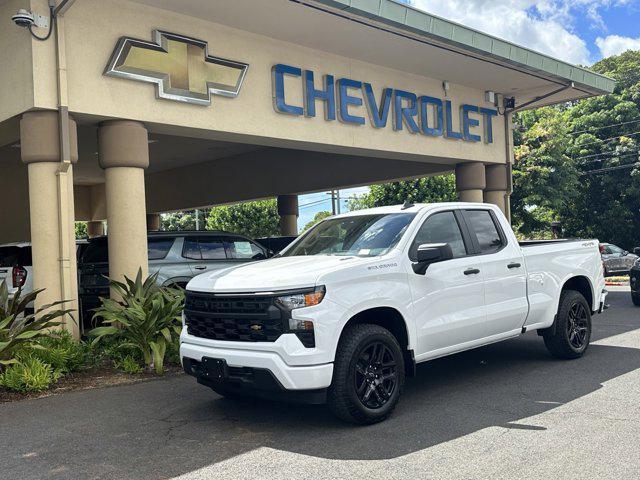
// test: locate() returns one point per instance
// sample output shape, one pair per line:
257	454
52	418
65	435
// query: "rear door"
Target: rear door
502	264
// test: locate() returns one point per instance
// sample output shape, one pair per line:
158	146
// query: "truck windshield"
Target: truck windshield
361	235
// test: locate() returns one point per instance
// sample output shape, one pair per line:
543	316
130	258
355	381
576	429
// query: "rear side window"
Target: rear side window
241	248
203	248
440	228
159	247
481	223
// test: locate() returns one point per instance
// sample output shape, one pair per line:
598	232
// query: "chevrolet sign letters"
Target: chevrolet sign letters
430	116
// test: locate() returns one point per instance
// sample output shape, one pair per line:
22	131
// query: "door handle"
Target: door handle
471	271
514	265
200	267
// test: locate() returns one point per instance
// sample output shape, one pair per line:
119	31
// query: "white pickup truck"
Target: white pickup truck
345	312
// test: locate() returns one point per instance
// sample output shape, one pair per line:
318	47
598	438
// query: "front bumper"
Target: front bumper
256	382
306	377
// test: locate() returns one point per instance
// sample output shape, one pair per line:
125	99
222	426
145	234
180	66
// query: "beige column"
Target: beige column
123	151
470	181
95	229
496	186
153	222
288	211
51	209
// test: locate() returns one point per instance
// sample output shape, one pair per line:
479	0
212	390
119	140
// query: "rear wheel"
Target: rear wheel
572	328
368	375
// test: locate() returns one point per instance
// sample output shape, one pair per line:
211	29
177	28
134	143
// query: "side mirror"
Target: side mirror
429	253
625	253
636	250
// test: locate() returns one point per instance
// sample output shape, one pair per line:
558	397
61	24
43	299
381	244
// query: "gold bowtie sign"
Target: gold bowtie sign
180	66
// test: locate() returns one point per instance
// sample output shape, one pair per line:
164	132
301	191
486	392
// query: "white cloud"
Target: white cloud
546	26
615	44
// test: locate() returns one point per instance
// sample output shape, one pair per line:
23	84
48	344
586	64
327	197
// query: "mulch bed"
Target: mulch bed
95	377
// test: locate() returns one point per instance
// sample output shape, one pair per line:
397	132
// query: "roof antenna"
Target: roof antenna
407	204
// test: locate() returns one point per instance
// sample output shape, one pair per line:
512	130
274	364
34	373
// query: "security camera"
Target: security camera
23	18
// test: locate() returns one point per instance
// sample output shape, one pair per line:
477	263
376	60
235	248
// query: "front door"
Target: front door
449	298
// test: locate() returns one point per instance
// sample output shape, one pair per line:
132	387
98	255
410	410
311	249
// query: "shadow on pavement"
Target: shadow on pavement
167	428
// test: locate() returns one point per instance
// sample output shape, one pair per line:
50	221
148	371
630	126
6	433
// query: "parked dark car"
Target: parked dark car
275	244
634	279
617	261
176	257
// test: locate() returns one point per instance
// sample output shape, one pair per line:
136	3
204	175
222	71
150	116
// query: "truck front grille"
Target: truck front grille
233	318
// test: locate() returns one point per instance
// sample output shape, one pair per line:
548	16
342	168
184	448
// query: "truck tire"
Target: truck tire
572	333
368	375
635	298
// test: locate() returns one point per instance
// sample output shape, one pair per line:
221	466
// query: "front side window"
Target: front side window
361	235
481	223
440	228
615	250
240	248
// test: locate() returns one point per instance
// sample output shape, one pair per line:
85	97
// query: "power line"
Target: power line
603	126
603	154
608	139
611	169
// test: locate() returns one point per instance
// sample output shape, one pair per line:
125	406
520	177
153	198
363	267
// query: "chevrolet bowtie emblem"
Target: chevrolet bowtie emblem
180	66
255	327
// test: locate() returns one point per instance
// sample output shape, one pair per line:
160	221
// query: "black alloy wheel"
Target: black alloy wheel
375	375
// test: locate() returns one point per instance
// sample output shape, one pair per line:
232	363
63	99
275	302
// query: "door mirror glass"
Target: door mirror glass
429	253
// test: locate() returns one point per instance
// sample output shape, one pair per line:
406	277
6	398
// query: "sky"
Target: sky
577	31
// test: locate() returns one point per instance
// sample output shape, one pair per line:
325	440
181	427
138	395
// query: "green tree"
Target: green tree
254	219
422	190
81	230
317	218
185	220
575	163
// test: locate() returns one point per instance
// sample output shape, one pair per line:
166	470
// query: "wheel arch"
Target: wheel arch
391	319
580	284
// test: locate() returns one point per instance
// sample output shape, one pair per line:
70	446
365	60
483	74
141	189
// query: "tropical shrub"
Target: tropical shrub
30	374
62	352
19	329
147	318
128	364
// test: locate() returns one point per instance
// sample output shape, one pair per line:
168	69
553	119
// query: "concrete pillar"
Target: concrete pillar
496	186
288	211
470	181
95	229
123	152
153	222
52	213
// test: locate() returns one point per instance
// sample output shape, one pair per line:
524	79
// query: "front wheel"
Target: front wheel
572	328
368	375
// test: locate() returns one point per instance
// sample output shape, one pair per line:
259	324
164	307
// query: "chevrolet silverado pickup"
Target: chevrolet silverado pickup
344	313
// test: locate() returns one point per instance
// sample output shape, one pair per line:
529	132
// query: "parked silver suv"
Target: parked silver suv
616	260
175	256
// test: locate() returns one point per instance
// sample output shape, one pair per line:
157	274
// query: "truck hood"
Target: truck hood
280	273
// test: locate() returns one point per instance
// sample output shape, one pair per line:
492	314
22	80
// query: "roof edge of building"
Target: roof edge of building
434	29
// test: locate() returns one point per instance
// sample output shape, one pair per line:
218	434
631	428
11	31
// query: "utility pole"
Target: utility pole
197	219
338	201
333	202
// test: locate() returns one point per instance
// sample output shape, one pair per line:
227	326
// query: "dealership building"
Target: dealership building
118	110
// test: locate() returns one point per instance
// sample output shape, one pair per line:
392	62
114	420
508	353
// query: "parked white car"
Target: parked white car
346	311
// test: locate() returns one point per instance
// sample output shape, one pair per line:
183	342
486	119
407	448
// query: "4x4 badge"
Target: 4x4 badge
180	66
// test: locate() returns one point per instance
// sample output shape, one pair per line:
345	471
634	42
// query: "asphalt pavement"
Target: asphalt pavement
508	411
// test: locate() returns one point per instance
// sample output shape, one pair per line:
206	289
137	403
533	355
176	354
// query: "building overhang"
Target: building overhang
397	36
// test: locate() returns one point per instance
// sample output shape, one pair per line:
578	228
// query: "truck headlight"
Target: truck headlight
302	299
